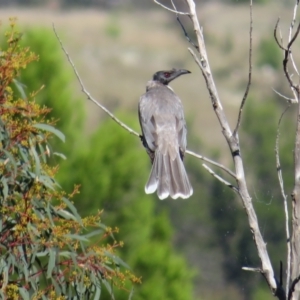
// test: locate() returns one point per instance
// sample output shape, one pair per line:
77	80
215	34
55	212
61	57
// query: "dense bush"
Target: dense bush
45	251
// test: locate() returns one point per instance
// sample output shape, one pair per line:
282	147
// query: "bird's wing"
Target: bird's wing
180	124
162	108
147	120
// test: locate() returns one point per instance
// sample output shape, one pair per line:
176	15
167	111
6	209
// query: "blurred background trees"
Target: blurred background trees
176	246
144	4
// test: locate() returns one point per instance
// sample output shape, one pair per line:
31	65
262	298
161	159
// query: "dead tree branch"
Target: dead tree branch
84	90
249	75
293	252
233	143
220	178
285	204
211	162
170	9
287	54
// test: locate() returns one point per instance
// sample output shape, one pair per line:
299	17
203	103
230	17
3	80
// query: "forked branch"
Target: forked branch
233	143
287	54
285	204
249	75
293	242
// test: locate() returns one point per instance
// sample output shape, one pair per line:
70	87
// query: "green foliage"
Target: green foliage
117	166
45	251
269	53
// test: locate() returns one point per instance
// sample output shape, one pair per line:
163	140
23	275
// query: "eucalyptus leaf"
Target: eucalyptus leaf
60	155
116	259
46	181
11	162
108	287
77	237
42	152
93	233
51	263
20	87
4	187
36	158
51	129
24	293
73	209
66	215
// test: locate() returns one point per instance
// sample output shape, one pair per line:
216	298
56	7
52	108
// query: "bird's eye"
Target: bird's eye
167	74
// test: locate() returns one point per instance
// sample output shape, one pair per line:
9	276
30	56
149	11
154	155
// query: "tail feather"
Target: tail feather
179	179
168	177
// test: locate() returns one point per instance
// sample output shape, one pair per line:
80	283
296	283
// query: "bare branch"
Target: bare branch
249	74
172	10
291	42
289	100
275	35
288	53
233	143
186	34
293	63
285	204
211	162
292	288
293	19
88	94
286	59
257	270
220	178
290	34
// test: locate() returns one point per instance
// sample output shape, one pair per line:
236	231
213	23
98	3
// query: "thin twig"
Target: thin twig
172	10
186	34
249	74
182	27
257	270
292	288
293	20
291	42
174	6
285	204
88	94
220	178
211	162
286	59
275	36
290	35
289	100
287	53
293	63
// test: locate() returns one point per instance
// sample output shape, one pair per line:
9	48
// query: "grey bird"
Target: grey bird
164	136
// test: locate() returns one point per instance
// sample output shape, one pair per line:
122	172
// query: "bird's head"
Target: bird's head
165	77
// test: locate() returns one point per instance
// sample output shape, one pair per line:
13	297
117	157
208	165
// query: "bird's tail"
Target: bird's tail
168	177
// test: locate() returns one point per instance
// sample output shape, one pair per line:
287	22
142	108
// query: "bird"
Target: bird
164	133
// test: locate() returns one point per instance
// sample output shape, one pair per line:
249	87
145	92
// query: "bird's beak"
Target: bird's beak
181	72
178	72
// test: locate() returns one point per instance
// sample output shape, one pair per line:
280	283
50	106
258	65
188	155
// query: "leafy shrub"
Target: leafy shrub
45	251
